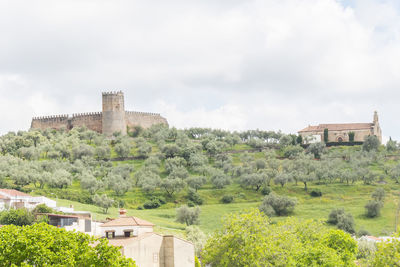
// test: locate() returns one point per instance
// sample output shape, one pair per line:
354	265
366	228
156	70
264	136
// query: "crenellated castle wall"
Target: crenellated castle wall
91	120
53	122
112	119
143	119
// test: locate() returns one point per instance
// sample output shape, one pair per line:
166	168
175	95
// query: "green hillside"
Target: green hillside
152	172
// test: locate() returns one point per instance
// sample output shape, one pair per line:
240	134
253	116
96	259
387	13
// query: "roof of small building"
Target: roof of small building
338	127
127	221
13	192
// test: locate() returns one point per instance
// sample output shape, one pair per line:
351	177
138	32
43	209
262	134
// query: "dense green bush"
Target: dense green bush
17	217
151	204
281	205
373	208
316	193
227	199
194	197
286	243
266	190
342	220
333	215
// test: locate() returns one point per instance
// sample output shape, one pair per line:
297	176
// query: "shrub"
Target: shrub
346	223
282	205
366	250
316	193
227	199
379	194
333	216
196	262
373	208
187	215
362	232
42	208
152	204
194	197
18	217
266	190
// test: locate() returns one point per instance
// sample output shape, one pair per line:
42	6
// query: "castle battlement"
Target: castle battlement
113	93
51	117
87	114
113	118
142	113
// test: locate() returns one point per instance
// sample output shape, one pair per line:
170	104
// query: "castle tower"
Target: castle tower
113	113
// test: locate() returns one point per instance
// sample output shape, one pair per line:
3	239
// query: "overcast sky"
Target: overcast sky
230	64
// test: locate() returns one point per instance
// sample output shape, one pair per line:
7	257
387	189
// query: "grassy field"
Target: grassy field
351	197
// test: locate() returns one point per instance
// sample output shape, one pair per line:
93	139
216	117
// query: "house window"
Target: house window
110	234
128	233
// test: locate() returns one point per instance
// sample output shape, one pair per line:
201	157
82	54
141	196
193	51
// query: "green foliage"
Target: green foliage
42	208
152	204
346	223
299	139
266	190
366	250
187	215
316	149
196	262
326	135
391	145
334	214
351	137
342	220
197	237
373	208
378	194
281	205
103	202
292	151
227	199
387	252
371	143
45	245
194	197
17	217
249	239
316	193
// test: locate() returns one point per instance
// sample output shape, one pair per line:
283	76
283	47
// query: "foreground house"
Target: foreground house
341	132
138	242
14	199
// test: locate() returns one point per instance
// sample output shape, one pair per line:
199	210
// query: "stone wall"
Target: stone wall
50	122
92	121
143	119
333	136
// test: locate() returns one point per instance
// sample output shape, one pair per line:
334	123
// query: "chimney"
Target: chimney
122	212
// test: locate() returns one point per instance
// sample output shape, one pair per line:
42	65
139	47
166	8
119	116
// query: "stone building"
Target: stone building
113	118
136	240
340	132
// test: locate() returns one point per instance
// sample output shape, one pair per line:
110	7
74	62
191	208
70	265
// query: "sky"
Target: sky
227	64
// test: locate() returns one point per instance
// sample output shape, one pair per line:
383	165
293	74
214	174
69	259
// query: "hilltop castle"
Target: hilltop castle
340	132
112	119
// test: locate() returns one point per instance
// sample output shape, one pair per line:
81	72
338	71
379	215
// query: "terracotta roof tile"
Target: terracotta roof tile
127	221
14	192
